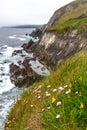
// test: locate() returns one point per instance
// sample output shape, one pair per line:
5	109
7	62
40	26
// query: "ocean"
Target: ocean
10	39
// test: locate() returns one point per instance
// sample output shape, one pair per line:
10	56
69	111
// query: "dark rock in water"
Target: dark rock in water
1	81
19	62
17	52
36	33
23	76
27	34
1	53
27	45
2	74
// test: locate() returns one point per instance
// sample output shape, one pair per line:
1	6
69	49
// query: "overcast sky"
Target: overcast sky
28	11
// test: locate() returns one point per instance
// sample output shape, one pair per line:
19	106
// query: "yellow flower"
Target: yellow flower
53	99
70	85
81	106
80	78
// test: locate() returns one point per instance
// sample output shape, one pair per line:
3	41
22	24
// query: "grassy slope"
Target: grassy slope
76	18
36	111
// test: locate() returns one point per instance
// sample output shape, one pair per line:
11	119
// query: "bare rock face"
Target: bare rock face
54	48
23	76
28	45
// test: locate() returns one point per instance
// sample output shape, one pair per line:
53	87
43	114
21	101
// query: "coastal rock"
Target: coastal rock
55	47
16	52
36	33
23	76
26	46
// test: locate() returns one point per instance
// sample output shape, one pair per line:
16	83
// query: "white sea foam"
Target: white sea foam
12	37
6	85
21	37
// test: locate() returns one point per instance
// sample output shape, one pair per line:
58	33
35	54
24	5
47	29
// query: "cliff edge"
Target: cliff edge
65	34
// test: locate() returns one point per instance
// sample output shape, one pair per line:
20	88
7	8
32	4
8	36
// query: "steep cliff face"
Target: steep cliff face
66	34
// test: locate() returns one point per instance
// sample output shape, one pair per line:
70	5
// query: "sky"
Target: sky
20	12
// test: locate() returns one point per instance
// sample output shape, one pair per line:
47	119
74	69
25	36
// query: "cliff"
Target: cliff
64	35
58	101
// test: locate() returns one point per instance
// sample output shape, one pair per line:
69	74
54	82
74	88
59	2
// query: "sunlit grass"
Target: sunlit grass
58	102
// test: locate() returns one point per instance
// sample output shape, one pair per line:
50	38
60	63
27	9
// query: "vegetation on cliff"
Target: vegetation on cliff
74	19
58	102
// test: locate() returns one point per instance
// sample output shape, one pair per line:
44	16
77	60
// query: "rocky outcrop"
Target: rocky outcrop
38	32
52	47
23	75
26	69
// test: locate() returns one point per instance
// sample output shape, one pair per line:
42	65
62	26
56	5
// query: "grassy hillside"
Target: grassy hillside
58	102
75	19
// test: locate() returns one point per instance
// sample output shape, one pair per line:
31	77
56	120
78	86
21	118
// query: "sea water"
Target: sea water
10	39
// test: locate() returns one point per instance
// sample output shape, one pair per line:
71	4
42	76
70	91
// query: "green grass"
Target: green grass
79	24
36	111
75	19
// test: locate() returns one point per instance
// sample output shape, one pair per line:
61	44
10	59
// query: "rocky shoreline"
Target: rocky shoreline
28	69
50	49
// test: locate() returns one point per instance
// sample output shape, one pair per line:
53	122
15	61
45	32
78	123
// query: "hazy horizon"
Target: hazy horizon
28	12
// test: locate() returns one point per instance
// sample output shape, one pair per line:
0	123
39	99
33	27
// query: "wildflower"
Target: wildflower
49	86
54	90
70	85
38	91
53	100
48	94
59	103
68	92
31	105
58	116
65	86
76	92
43	109
48	108
81	106
80	78
61	89
39	97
